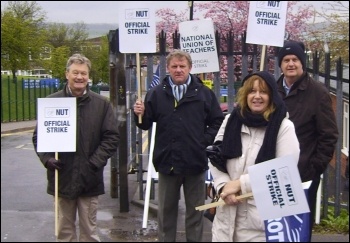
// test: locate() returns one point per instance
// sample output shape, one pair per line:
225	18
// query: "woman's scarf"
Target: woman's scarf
232	142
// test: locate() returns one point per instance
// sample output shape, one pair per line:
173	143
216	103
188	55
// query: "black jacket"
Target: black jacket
183	130
310	109
97	140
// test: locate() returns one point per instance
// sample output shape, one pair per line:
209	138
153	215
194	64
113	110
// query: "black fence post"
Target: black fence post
339	107
244	66
23	116
230	72
315	65
176	40
255	61
112	97
217	81
9	98
163	53
277	71
122	124
16	100
327	66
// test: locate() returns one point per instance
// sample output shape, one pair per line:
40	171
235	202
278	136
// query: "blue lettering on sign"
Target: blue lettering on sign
223	92
41	83
141	13
292	228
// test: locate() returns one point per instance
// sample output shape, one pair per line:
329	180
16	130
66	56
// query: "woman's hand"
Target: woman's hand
231	199
230	191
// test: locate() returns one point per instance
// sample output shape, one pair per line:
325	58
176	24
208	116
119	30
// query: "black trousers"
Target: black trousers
312	195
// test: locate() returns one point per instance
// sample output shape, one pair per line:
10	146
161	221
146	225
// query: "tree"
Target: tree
98	55
22	28
63	41
334	31
101	62
57	62
28	42
73	37
232	16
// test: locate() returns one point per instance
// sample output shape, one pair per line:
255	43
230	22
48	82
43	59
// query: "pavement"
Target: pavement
12	127
138	223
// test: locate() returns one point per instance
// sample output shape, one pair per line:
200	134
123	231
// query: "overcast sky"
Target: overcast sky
94	12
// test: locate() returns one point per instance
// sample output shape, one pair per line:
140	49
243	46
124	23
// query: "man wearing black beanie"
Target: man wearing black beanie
310	109
293	48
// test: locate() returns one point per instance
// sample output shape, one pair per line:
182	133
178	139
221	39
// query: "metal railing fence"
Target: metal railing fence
19	97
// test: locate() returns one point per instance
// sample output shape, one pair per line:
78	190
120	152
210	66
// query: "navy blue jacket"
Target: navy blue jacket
183	129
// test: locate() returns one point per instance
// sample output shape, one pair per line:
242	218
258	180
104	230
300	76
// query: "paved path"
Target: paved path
116	226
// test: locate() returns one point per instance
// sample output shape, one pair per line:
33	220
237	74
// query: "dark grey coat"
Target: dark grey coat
310	109
97	140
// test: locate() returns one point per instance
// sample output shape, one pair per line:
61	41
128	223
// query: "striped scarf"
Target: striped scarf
179	90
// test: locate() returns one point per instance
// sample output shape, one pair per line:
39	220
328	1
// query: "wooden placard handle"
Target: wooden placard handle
221	202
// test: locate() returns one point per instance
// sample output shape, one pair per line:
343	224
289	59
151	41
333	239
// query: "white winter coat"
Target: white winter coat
224	224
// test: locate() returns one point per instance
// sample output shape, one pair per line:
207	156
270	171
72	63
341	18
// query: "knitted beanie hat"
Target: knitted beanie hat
293	48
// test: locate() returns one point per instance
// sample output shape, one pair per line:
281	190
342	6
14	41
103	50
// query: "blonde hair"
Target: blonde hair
247	87
179	54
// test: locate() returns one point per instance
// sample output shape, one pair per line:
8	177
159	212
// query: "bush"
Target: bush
332	224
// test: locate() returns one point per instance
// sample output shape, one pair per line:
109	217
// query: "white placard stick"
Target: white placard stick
138	72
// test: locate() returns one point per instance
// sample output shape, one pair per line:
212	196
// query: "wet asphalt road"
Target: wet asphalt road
27	211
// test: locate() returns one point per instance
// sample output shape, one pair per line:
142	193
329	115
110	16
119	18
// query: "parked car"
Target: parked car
103	86
224	107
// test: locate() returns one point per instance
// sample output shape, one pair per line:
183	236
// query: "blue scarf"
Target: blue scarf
179	90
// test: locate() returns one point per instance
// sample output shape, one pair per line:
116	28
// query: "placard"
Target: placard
267	22
197	38
277	188
57	124
137	27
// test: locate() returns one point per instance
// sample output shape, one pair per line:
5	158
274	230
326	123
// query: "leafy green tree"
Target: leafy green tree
28	42
334	31
57	62
73	37
22	35
98	54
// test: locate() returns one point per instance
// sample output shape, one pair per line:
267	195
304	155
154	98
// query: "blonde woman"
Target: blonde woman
256	131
